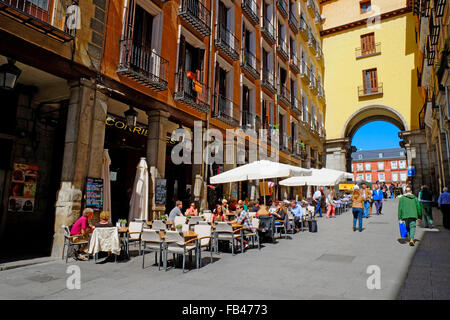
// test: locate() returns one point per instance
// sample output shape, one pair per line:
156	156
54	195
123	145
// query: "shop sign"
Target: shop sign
346	186
160	191
94	193
411	171
23	188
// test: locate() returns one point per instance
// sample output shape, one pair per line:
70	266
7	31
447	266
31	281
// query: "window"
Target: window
368	44
380	155
393	164
360	156
381	177
368	167
359	167
394	176
365	6
359	177
368	177
402	164
380	165
370	81
403	176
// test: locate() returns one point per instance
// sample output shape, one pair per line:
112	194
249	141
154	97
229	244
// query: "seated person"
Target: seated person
243	219
192	210
104	220
218	215
263	212
176	211
225	208
83	227
256	207
280	212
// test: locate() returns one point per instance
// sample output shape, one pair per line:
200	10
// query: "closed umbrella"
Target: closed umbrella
106	162
139	197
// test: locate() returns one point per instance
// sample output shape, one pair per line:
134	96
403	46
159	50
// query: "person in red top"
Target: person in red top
192	210
83	227
218	215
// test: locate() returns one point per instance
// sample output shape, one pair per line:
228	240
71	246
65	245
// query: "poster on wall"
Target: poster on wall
94	193
23	188
160	191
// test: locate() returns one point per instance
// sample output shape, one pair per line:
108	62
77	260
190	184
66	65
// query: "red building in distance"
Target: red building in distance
385	165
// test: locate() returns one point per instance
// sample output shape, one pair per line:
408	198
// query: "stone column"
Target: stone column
337	154
84	142
156	155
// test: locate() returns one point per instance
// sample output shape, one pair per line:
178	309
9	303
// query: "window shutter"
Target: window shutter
182	54
374	80
201	64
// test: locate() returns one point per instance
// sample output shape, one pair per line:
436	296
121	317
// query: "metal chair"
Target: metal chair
193	221
179	220
204	235
207	215
134	235
71	243
175	244
158	225
152	238
224	231
253	232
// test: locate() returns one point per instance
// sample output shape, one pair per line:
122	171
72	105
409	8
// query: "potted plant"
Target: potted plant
164	218
179	227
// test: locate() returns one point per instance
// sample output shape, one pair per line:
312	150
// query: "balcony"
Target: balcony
250	63
268	81
284	95
47	17
311	6
282	49
251	8
197	15
293	22
304	71
304	28
268	31
312	43
320	92
374	50
319	53
283	7
226	111
191	92
284	143
317	17
312	82
368	92
294	63
227	42
143	65
295	105
248	120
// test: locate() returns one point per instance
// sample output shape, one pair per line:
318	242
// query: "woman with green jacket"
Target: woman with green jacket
409	210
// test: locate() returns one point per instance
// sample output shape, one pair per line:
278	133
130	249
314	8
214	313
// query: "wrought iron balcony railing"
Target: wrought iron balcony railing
319	53
317	17
197	15
268	30
295	105
268	80
248	120
304	28
312	82
294	63
143	64
304	71
250	63
282	6
46	16
293	22
367	52
312	43
284	95
191	91
311	6
284	142
251	7
226	111
364	91
227	42
282	49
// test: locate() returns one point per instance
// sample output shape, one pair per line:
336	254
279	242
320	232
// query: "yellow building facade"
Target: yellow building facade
370	71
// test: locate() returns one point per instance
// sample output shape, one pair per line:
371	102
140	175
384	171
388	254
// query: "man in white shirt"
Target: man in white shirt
317	197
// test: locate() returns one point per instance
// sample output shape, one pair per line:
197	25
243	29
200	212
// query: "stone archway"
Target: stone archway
339	150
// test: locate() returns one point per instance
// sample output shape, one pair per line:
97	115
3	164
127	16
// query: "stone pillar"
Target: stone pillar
85	134
156	155
338	154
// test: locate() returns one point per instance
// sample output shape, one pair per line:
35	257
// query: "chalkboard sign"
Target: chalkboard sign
94	193
160	191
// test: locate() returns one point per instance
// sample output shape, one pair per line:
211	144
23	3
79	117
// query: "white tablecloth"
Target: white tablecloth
105	239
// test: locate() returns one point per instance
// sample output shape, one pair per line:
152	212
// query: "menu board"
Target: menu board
160	191
23	188
94	193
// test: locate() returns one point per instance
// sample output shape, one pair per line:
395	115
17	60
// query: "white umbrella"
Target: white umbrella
262	169
319	177
106	162
139	197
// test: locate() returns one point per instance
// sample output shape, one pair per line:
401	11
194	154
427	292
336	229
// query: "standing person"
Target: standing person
357	207
176	211
403	188
391	190
426	200
331	203
317	197
384	189
367	196
444	205
377	196
409	210
371	199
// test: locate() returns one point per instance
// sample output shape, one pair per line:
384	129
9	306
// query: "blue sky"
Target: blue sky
376	135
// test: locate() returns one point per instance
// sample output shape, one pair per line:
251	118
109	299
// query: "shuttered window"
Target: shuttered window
368	44
370	80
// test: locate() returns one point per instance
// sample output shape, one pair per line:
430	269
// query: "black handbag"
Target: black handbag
312	225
